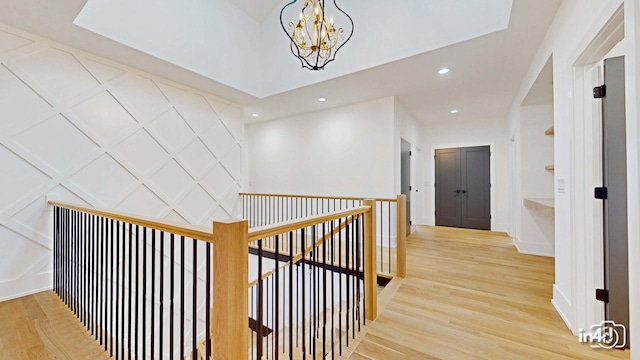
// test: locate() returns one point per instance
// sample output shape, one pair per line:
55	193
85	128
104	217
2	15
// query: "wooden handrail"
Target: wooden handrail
262	232
187	230
306	251
319	197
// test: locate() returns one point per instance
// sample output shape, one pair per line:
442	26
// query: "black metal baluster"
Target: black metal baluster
103	285
144	293
153	292
94	276
277	298
122	291
161	305
357	255
340	282
333	285
207	328
130	256
360	257
172	295
112	318
259	309
348	278
137	296
182	268
304	290
324	291
314	276
117	286
194	320
291	266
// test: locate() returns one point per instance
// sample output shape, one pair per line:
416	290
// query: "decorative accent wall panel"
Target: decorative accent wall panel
83	129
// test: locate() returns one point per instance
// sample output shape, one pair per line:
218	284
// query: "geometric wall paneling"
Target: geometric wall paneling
218	181
105	179
19	178
197	158
57	72
142	152
174	216
231	119
172	181
233	161
196	205
87	130
11	253
196	111
11	42
230	202
171	130
219	139
107	120
140	96
72	147
19	104
102	72
143	201
170	92
218	107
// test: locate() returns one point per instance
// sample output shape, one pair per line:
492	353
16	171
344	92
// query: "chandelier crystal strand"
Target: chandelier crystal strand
315	40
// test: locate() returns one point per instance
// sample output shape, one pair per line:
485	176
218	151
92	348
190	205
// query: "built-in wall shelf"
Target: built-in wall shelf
549	167
545	206
549	131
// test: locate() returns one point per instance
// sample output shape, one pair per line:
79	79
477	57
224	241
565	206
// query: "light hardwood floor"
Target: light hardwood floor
40	326
469	294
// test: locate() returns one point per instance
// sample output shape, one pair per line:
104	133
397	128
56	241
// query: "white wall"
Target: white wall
345	151
577	23
85	130
632	31
480	132
535	230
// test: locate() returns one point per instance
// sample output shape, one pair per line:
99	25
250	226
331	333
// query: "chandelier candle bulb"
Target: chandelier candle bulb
325	40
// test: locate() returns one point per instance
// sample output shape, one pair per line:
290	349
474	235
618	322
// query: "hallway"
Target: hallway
469	294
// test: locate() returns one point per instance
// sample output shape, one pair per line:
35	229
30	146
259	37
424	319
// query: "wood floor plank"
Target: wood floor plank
40	327
470	294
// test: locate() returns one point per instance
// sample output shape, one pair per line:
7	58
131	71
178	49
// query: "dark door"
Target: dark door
616	261
463	187
405	178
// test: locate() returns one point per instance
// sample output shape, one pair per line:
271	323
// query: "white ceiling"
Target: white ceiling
257	9
485	71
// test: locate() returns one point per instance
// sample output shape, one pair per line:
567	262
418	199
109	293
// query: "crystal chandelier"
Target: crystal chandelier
315	39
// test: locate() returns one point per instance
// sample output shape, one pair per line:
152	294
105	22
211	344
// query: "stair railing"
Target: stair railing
263	209
141	286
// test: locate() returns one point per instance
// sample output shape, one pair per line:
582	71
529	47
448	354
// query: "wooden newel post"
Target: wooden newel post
370	273
401	236
230	317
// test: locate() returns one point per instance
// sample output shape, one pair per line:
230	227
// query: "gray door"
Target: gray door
405	178
463	187
616	261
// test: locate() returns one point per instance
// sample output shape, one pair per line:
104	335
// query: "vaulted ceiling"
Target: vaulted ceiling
237	50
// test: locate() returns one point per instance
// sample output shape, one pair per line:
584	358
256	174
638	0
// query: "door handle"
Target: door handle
464	191
457	191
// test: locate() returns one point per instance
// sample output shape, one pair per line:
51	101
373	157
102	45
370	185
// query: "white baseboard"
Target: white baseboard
562	306
534	248
24	293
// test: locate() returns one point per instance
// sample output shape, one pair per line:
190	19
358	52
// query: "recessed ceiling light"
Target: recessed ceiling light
322	99
255	114
443	71
454	111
